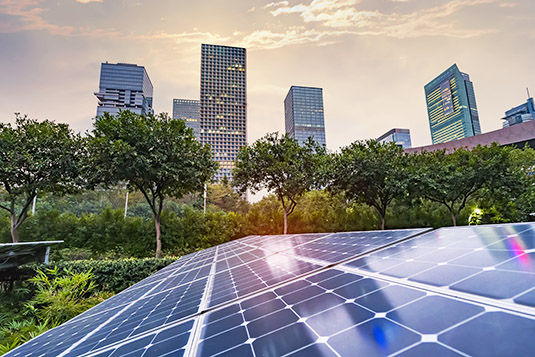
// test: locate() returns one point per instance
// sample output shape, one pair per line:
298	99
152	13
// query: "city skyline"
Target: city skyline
372	58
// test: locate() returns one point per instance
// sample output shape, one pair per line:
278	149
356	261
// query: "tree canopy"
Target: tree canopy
370	172
451	179
156	155
280	165
35	156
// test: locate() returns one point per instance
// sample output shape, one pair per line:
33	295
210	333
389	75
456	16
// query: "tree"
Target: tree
155	155
280	165
35	156
370	172
224	197
451	179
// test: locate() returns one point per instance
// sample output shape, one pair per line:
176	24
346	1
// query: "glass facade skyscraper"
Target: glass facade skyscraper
124	86
187	110
401	137
303	114
451	106
520	114
223	105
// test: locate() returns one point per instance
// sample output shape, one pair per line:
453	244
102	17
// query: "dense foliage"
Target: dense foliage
35	156
282	166
52	297
155	155
370	172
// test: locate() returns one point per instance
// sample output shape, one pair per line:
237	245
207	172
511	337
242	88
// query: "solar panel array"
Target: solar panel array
449	292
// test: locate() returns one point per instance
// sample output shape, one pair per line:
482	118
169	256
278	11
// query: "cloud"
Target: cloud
434	21
88	1
265	39
275	4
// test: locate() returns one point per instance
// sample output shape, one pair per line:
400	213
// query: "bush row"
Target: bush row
109	275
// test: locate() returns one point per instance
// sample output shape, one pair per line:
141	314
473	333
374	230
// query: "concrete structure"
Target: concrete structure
520	114
223	104
124	86
401	137
517	135
187	110
451	106
303	114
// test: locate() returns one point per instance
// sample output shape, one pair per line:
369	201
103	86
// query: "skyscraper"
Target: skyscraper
401	137
187	110
451	106
124	86
520	114
223	106
303	114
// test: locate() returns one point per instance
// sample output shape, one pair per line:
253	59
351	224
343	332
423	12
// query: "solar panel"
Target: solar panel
338	312
494	262
401	292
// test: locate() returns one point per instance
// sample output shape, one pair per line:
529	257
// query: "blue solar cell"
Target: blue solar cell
497	284
444	275
386	299
285	340
421	315
526	299
429	349
493	334
341	317
378	337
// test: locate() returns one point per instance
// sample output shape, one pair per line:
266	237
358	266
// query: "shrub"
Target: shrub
109	275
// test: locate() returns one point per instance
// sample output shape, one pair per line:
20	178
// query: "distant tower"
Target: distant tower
124	86
520	114
303	114
223	105
401	137
187	110
451	106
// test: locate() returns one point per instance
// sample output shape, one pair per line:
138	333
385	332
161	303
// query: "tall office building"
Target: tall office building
223	106
303	114
401	137
520	114
451	106
187	110
124	86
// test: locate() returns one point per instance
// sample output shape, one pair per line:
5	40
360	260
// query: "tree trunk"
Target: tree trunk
158	241
14	229
453	219
383	223
285	222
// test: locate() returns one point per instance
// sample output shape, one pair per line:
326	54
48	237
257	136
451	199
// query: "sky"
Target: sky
371	57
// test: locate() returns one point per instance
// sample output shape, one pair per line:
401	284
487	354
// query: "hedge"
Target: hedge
110	275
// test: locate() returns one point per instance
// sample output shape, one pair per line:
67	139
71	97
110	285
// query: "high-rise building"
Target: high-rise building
451	106
124	86
303	114
520	114
223	105
187	110
401	137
